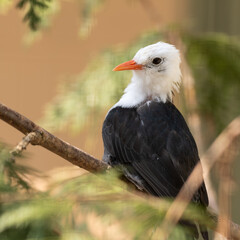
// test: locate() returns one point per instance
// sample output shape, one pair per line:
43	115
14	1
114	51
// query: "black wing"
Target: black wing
153	146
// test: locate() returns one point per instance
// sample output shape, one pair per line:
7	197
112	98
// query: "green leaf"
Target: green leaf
38	12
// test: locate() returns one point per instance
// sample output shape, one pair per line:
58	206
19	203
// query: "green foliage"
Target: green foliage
70	208
215	61
35	11
19	212
94	90
12	174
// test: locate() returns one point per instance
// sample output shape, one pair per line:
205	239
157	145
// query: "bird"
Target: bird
145	135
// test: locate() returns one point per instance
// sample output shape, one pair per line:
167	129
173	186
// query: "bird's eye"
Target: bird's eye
156	60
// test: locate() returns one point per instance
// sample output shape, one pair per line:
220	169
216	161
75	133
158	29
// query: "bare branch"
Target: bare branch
52	143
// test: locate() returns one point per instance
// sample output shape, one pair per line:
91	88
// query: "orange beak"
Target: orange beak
129	65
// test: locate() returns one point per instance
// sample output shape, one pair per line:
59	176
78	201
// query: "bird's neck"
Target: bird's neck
142	89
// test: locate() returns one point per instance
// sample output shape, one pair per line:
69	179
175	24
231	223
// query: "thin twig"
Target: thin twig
22	145
51	142
224	197
224	168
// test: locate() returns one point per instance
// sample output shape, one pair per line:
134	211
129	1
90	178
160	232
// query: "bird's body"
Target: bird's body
144	134
153	145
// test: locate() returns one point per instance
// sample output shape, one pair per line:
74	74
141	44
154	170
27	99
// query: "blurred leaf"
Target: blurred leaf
13	175
28	212
110	199
38	12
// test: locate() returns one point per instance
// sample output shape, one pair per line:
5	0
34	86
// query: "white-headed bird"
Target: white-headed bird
144	133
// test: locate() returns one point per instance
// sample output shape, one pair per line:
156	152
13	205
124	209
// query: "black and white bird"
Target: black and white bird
144	133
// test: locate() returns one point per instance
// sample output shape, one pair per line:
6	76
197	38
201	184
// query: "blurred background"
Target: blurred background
56	59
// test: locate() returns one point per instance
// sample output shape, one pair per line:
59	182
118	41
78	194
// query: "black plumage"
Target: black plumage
153	146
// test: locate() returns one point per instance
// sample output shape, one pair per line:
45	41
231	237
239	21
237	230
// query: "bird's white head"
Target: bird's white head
156	73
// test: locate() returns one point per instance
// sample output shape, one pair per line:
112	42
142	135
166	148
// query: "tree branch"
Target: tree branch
45	139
